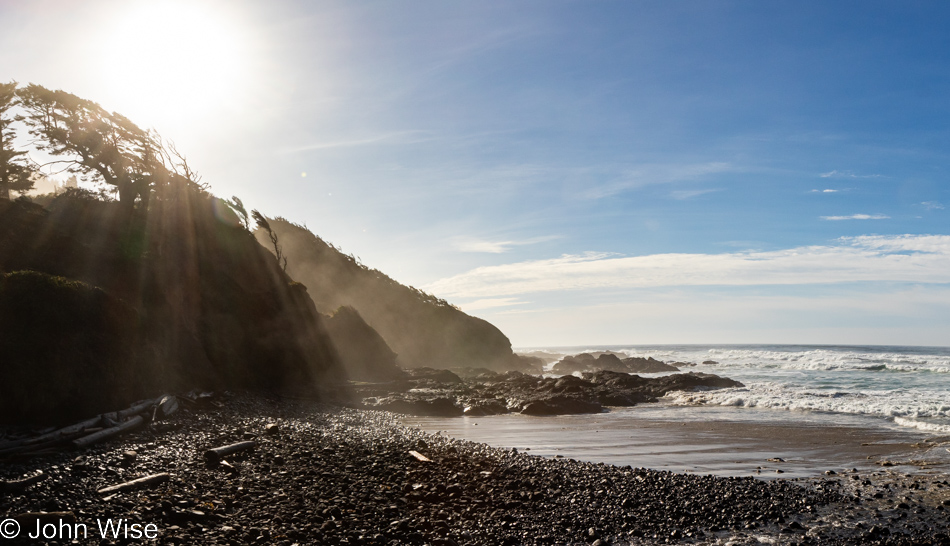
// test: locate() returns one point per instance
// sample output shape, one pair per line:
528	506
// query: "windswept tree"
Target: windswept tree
93	141
262	223
16	170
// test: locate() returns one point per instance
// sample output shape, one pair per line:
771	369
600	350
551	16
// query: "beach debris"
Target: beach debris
213	456
138	483
88	432
21	484
96	437
419	456
776	460
168	405
29	520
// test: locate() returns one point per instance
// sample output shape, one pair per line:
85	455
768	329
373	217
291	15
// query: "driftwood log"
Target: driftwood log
139	483
15	486
86	441
214	456
82	434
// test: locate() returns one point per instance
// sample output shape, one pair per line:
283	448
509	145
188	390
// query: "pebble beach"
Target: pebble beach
321	474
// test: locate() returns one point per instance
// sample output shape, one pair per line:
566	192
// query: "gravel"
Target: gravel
321	474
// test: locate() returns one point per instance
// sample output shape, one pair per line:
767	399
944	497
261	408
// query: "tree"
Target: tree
262	223
16	170
95	141
238	207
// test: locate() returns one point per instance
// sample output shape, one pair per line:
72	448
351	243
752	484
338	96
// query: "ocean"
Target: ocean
812	407
908	386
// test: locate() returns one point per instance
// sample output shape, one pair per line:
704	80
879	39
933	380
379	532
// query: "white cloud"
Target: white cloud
846	174
932	205
825	191
496	247
659	173
916	315
907	258
857	217
395	137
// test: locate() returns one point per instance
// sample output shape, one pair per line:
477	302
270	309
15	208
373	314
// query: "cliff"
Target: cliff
422	329
97	308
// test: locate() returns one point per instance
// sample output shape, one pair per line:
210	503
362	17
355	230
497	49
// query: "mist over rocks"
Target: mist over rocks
423	330
363	353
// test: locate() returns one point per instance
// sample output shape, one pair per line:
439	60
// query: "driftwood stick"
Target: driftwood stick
138	408
15	486
420	457
52	442
86	441
214	456
29	519
153	479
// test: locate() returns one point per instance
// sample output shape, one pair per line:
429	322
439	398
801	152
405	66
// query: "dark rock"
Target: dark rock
434	375
646	365
437	407
560	405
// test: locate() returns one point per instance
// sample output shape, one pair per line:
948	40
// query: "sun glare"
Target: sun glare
170	62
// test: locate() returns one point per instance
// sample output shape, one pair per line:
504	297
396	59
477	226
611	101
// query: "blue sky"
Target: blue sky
574	172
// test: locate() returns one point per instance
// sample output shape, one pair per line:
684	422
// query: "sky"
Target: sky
576	173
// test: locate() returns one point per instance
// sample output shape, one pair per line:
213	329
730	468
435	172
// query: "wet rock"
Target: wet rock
560	405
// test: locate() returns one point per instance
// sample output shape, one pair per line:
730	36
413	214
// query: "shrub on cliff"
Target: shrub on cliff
67	348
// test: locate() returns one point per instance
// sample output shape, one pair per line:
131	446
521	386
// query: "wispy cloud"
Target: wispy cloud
907	258
932	205
847	174
497	247
657	173
825	191
857	217
394	137
687	194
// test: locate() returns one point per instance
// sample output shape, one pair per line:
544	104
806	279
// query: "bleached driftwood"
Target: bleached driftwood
15	486
420	457
86	441
213	456
139	483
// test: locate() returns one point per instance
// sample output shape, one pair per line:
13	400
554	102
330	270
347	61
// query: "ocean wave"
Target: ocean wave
815	359
904	406
922	425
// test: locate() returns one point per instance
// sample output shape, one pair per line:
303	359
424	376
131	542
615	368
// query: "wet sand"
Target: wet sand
710	440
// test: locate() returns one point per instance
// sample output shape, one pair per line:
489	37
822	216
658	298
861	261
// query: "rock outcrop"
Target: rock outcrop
490	393
586	362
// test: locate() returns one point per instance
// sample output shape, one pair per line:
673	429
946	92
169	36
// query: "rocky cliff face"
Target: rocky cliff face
422	329
205	304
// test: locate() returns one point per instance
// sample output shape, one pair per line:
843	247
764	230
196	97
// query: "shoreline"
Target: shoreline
723	441
331	475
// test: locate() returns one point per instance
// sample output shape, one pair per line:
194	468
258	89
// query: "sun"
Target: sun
164	63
